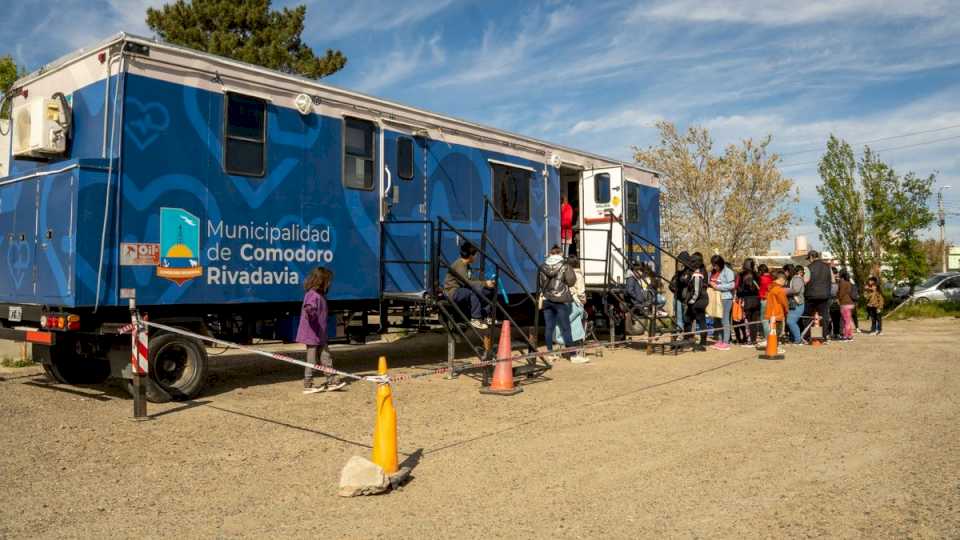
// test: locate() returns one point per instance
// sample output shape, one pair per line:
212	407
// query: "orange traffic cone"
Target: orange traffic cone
385	428
816	334
502	384
772	345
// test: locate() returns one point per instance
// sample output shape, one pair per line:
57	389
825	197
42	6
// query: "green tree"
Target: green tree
9	73
840	216
246	30
908	214
869	215
735	204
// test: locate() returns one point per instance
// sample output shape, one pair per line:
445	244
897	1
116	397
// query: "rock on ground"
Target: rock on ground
361	476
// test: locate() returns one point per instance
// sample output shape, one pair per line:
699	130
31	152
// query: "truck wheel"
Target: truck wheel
62	364
178	366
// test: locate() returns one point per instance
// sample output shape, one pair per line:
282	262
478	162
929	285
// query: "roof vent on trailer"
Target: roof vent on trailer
41	126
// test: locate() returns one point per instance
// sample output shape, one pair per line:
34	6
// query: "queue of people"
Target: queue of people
748	300
711	302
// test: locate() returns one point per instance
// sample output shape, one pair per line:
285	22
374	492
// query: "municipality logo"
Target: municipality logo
179	246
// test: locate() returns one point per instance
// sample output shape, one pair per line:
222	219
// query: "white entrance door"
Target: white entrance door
601	197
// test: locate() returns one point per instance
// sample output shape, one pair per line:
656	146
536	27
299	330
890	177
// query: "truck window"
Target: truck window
245	135
601	188
633	203
358	153
511	192
405	158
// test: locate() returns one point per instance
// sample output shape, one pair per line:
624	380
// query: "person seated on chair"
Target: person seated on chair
641	288
472	296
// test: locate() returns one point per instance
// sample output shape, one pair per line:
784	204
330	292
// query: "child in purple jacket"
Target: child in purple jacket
312	331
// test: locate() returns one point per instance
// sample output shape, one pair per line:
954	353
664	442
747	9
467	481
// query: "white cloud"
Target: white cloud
331	19
400	64
514	48
787	13
620	119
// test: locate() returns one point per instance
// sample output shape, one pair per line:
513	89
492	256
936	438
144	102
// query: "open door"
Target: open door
601	198
405	235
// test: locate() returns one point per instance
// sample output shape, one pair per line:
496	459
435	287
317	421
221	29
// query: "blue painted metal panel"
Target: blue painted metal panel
21	251
258	237
55	243
255	238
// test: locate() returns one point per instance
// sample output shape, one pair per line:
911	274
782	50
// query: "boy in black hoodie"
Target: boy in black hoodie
695	301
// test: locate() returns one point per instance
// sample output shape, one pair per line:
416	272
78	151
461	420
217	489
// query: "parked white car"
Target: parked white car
938	288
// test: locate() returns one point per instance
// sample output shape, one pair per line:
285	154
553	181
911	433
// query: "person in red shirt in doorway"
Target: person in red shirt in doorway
566	225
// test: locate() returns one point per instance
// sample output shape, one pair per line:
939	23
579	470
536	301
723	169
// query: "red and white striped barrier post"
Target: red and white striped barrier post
139	352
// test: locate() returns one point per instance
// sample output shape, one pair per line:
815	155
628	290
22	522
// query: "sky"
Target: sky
598	75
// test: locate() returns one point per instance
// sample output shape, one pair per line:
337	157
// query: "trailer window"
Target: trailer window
358	154
633	203
245	135
511	192
405	158
601	188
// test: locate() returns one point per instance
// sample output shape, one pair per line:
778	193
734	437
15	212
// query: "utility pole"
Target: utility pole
942	221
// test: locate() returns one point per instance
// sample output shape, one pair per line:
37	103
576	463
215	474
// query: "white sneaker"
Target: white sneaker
478	324
579	359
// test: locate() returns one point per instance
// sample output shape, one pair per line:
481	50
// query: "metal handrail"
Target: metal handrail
498	308
384	235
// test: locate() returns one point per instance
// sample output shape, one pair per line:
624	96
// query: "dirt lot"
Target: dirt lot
851	440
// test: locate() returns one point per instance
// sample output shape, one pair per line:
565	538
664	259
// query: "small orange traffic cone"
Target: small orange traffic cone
772	345
385	428
816	334
502	384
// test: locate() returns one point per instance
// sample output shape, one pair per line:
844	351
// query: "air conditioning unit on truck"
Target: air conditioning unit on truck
209	190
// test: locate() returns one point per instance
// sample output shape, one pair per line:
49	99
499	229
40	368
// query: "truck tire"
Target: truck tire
63	365
178	367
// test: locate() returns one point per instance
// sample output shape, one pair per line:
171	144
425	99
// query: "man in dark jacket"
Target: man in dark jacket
817	292
556	278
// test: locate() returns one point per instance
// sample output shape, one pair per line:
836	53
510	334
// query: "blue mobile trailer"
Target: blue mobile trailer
207	189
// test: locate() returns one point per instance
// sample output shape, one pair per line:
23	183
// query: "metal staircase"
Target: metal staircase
425	297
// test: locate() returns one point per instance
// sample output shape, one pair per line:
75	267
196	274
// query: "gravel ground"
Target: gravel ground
850	440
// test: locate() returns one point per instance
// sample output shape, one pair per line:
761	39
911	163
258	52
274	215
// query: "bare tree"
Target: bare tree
735	204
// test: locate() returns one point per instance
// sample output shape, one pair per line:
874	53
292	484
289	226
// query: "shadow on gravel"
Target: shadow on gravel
101	396
578	405
419	352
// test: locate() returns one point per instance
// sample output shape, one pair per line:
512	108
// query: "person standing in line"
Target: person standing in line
765	279
777	305
678	284
724	284
795	290
855	294
817	292
578	316
748	294
566	225
555	279
836	329
875	302
312	330
847	304
695	300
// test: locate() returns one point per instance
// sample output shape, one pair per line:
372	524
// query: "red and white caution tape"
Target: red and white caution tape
275	356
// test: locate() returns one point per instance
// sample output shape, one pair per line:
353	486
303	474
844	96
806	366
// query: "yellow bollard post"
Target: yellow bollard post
385	428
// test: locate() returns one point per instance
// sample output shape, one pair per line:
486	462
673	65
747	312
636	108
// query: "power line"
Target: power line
911	134
877	151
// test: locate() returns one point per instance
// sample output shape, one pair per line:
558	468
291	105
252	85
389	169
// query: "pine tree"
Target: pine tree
245	30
